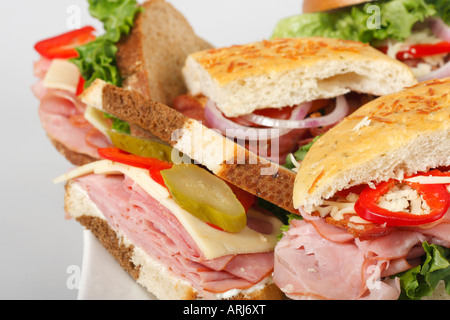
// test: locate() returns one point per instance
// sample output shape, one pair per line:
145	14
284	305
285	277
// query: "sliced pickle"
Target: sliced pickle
205	196
140	146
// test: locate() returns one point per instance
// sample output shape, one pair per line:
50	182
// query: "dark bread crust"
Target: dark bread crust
155	117
276	188
162	121
151	57
107	237
123	254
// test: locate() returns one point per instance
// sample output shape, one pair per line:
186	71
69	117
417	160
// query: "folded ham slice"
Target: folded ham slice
62	117
130	211
316	260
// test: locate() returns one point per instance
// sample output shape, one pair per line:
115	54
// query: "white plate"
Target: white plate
102	278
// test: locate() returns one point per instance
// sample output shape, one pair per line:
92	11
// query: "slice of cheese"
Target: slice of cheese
212	242
62	75
97	119
429	180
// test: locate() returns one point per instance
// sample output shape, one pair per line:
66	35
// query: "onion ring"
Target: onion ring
340	111
301	110
231	129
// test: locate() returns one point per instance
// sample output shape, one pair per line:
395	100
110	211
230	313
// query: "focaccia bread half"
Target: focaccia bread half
286	72
390	137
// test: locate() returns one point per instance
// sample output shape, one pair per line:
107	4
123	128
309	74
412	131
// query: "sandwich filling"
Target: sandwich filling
363	240
275	96
211	260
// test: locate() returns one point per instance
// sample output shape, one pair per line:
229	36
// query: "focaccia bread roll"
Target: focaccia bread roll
416	124
285	72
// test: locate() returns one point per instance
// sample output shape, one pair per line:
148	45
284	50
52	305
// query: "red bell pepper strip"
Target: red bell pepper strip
421	50
435	195
63	46
80	87
153	165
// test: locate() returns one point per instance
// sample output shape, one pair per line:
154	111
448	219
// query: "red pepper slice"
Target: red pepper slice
435	195
80	87
153	165
421	50
63	46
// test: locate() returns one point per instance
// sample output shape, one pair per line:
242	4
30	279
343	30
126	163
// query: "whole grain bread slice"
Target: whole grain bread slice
222	156
151	57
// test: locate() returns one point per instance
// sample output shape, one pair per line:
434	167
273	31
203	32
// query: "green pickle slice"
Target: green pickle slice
140	146
205	196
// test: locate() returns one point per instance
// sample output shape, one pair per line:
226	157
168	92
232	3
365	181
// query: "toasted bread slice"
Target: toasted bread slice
151	57
225	158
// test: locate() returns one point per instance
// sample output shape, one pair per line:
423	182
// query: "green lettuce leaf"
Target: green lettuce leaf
300	154
117	16
442	8
97	59
421	281
358	23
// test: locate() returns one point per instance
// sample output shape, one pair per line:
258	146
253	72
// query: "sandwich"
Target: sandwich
373	197
414	32
276	96
206	124
134	52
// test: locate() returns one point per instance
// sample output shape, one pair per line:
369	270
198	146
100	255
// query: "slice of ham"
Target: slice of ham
131	211
62	116
317	261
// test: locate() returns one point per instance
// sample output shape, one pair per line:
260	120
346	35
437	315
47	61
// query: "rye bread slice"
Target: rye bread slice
225	158
151	57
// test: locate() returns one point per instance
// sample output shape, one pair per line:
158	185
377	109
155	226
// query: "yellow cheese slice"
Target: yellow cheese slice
62	75
96	118
212	242
429	180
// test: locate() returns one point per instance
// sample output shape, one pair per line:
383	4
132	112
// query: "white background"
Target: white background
38	246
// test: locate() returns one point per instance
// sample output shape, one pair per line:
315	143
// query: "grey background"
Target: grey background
39	247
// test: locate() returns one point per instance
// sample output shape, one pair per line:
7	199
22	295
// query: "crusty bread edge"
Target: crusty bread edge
151	274
223	157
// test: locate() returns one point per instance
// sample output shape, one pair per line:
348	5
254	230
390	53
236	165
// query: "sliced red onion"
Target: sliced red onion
442	72
340	111
298	113
229	128
439	28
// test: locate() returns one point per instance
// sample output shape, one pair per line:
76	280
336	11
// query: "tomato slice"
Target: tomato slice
63	46
435	195
421	50
153	165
